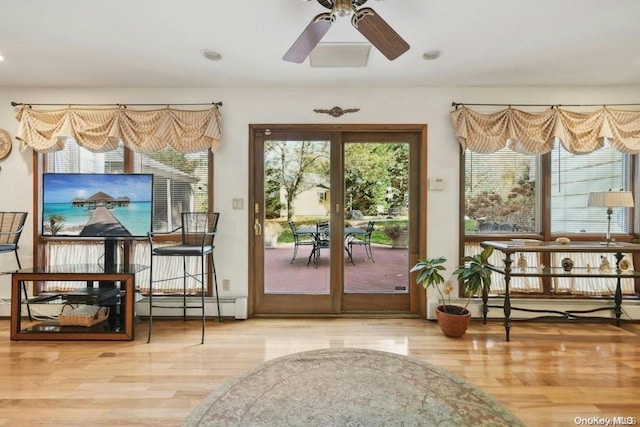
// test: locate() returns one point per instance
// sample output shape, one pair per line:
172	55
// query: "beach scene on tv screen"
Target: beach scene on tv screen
87	205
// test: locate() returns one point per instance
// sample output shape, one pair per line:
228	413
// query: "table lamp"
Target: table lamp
610	199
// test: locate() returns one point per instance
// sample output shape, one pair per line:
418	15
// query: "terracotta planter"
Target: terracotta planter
453	324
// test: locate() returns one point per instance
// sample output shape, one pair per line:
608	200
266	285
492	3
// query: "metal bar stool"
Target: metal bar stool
11	226
198	233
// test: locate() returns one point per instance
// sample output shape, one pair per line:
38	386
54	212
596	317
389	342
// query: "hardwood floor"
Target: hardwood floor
547	375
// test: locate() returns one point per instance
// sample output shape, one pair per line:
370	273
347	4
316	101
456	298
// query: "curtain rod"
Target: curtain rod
456	104
15	104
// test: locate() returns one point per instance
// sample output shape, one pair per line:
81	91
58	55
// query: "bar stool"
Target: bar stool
198	232
11	225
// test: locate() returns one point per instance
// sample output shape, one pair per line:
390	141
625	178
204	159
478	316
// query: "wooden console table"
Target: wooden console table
508	248
118	327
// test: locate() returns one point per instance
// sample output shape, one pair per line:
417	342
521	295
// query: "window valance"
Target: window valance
535	133
101	129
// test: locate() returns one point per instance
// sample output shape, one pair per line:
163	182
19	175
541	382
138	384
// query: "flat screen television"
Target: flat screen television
96	205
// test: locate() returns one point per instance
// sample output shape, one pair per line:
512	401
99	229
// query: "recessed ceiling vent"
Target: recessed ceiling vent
340	55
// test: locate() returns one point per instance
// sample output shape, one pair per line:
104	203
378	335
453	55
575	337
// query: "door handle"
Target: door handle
257	228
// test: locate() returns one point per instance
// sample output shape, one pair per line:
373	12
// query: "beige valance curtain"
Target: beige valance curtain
101	129
535	133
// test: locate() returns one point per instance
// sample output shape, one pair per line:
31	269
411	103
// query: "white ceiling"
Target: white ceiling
157	43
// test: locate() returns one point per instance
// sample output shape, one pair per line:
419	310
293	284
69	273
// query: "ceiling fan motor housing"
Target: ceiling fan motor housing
330	3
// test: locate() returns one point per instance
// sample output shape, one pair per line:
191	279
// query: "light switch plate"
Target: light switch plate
237	203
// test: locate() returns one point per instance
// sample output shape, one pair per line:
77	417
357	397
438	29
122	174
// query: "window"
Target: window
180	180
573	177
181	183
543	197
500	193
76	159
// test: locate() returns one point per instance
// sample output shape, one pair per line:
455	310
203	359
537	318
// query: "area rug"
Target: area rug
349	387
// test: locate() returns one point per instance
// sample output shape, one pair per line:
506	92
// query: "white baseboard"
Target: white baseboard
235	307
630	309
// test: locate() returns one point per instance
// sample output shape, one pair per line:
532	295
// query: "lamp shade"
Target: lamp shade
611	199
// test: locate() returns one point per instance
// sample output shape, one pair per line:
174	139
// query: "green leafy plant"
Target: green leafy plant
430	274
475	275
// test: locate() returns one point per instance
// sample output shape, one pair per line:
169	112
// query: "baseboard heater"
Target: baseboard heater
235	307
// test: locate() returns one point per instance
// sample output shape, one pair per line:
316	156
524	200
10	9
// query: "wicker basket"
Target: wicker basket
85	315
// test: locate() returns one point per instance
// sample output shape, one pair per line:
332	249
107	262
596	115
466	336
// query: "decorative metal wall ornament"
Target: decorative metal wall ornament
336	111
5	144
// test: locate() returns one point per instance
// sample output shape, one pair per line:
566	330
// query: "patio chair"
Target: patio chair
362	240
198	232
300	239
11	226
321	241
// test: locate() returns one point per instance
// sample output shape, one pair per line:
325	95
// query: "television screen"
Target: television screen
96	205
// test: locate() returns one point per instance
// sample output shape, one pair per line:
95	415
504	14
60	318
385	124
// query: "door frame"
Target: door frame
416	250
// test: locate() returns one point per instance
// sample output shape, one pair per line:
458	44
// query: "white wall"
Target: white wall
243	106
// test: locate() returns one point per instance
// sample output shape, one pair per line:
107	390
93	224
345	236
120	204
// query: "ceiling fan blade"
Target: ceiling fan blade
379	33
309	38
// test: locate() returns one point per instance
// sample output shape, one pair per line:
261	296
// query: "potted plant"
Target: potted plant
397	233
475	276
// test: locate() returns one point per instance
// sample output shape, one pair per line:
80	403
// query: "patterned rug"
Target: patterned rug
349	387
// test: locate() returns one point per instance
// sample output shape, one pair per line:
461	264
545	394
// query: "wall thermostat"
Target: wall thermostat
437	184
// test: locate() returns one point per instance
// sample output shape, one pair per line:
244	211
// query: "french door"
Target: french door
337	218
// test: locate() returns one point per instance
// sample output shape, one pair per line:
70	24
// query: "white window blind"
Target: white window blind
180	184
500	192
573	177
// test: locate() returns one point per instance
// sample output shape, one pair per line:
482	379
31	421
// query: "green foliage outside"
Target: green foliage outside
291	166
376	174
373	171
507	199
379	236
470	225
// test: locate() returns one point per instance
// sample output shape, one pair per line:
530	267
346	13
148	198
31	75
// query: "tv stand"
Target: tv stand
110	255
118	327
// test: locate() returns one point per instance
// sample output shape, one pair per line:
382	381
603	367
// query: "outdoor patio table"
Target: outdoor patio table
348	232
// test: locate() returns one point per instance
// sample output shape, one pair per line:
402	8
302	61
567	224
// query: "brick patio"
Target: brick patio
388	274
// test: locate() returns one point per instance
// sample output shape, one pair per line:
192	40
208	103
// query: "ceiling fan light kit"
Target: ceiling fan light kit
365	20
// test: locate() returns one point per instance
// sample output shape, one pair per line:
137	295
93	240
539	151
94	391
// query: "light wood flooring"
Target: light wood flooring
549	374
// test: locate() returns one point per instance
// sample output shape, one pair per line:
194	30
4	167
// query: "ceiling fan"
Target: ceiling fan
366	20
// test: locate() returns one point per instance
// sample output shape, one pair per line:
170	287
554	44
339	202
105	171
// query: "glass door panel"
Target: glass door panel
376	181
297	200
